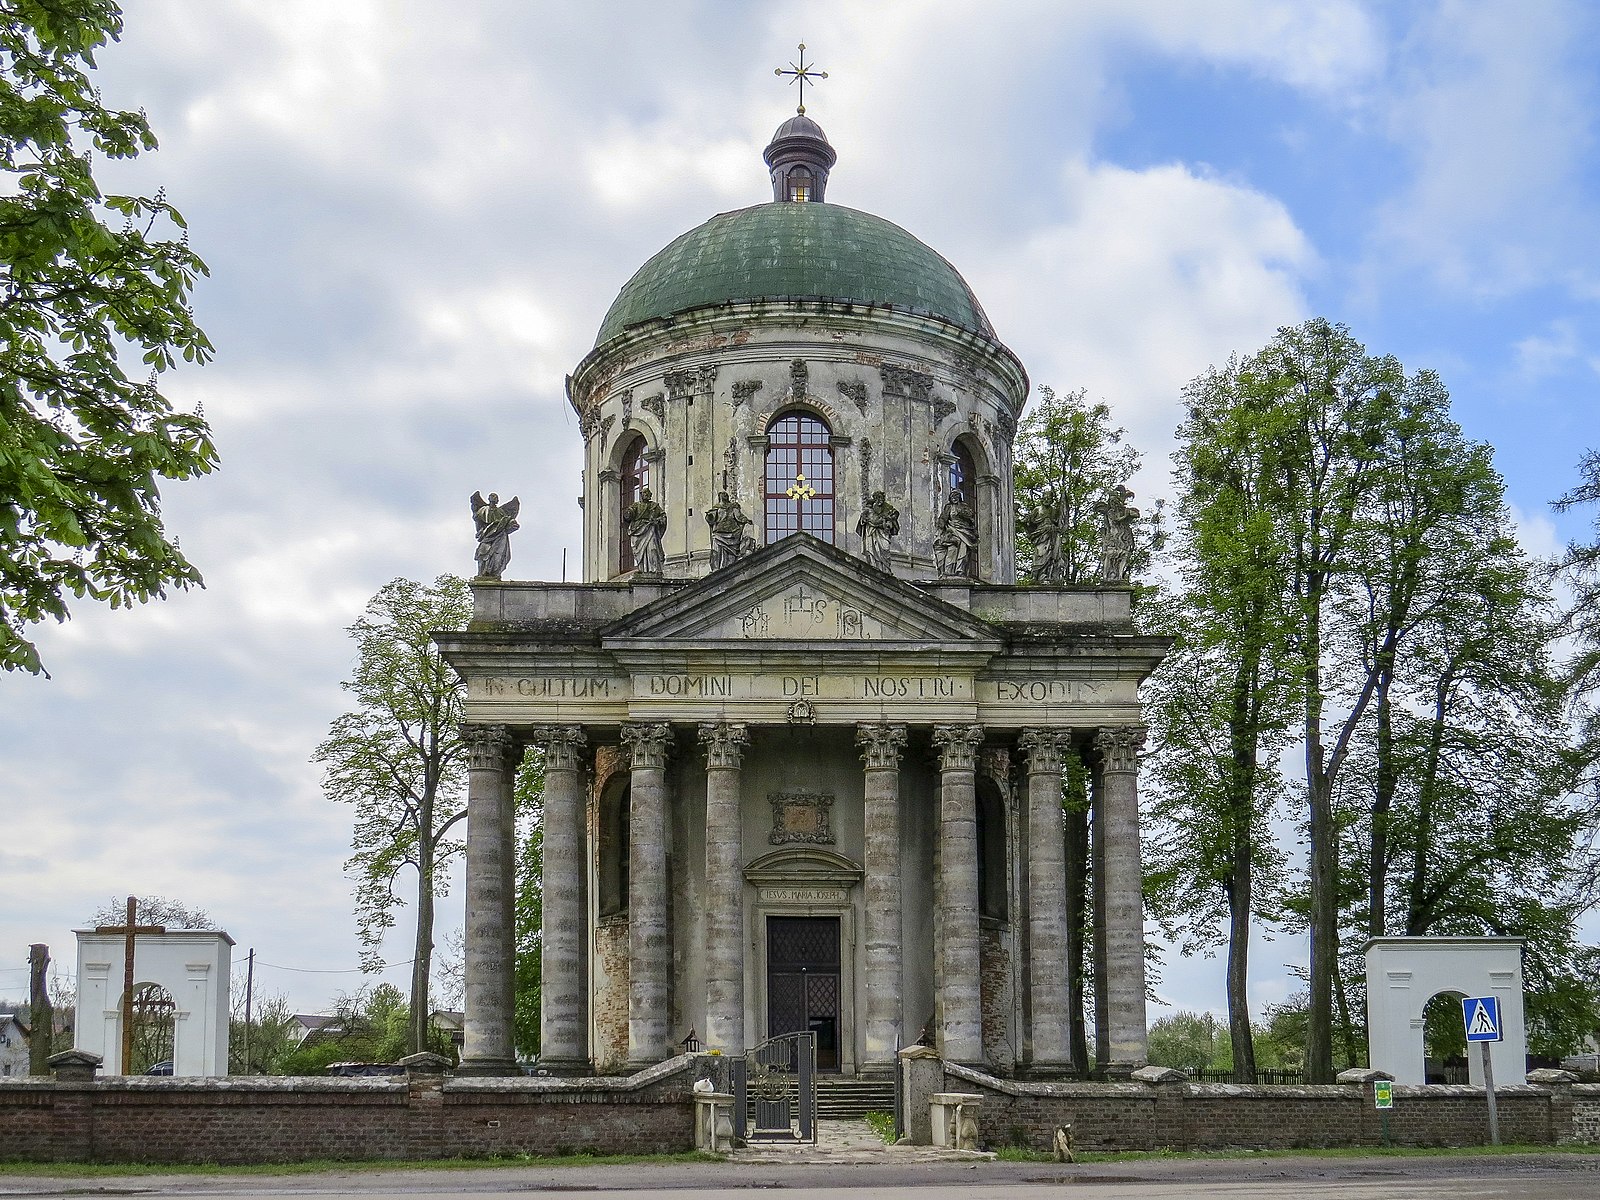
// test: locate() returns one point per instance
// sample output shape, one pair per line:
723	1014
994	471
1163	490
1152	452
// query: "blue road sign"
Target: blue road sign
1481	1015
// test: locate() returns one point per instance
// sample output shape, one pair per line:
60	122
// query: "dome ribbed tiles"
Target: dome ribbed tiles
795	250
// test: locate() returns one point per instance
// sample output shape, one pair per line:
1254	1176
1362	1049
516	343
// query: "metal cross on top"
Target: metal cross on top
803	73
800	489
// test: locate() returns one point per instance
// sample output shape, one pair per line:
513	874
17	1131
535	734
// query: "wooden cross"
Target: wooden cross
129	930
803	73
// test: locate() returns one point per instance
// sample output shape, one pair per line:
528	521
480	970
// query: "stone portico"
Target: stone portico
804	734
800	736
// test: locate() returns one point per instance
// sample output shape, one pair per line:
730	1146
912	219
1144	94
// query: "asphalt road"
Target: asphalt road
1466	1177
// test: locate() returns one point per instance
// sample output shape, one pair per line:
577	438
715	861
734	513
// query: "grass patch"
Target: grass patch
1011	1154
883	1125
91	1170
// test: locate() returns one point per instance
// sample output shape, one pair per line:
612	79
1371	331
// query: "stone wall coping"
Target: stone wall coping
1285	1091
574	1084
1586	1089
1016	1087
252	1083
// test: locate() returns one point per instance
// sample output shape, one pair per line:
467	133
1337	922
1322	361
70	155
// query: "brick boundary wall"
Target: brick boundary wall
1179	1115
424	1114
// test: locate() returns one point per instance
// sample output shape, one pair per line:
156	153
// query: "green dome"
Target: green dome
795	250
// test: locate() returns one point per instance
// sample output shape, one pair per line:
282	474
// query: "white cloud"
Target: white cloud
1493	106
1146	277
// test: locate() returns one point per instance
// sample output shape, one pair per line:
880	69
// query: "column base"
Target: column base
1120	1072
488	1067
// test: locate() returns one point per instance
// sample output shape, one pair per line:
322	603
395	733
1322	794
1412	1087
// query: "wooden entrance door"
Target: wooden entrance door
803	982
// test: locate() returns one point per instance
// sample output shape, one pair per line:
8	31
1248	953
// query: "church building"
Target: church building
803	730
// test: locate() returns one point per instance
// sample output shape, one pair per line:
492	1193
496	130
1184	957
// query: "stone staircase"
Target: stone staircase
843	1097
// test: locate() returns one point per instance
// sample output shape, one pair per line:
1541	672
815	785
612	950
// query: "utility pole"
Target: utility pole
249	987
41	1020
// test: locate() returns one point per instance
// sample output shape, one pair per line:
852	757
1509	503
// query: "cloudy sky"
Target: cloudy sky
416	214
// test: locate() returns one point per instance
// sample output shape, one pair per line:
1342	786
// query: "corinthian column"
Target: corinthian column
488	1045
649	933
1124	898
880	751
724	744
1047	900
563	1017
955	916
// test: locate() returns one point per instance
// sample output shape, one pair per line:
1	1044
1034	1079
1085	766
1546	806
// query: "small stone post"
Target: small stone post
1124	899
1559	1084
881	746
649	929
488	1044
724	743
956	977
563	1015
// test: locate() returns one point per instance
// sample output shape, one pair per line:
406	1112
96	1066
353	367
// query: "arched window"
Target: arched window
800	185
799	495
963	475
635	478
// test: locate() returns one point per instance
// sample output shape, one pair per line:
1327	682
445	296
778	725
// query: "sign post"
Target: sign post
1383	1101
1481	1016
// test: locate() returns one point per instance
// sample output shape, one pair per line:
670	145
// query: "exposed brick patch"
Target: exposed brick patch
611	997
996	996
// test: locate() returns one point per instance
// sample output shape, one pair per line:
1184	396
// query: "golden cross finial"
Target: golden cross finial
800	489
803	73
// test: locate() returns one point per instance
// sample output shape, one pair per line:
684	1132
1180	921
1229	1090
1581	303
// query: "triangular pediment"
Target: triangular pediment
801	590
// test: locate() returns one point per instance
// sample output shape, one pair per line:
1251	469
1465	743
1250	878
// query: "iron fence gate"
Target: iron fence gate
778	1081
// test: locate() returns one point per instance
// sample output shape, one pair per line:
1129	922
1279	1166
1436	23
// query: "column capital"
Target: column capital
650	742
881	745
1119	747
1044	745
958	746
724	743
563	746
488	746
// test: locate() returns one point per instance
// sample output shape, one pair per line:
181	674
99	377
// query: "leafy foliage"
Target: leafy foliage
1068	456
529	912
83	446
398	759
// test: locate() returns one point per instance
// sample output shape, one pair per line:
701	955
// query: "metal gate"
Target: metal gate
778	1080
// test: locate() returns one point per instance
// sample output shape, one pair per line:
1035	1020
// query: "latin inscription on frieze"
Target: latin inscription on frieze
549	687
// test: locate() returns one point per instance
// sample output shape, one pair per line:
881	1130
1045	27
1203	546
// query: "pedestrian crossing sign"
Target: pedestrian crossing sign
1481	1014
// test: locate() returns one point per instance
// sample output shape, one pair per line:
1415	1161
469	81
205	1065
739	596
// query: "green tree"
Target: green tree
1579	566
398	759
529	914
83	447
1068	456
1221	703
1186	1040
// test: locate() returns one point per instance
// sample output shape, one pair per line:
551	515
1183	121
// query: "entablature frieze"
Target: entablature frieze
687	685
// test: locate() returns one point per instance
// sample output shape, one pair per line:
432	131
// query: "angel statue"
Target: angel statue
496	523
1117	519
644	522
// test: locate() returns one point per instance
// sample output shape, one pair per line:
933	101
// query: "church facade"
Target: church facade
803	731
